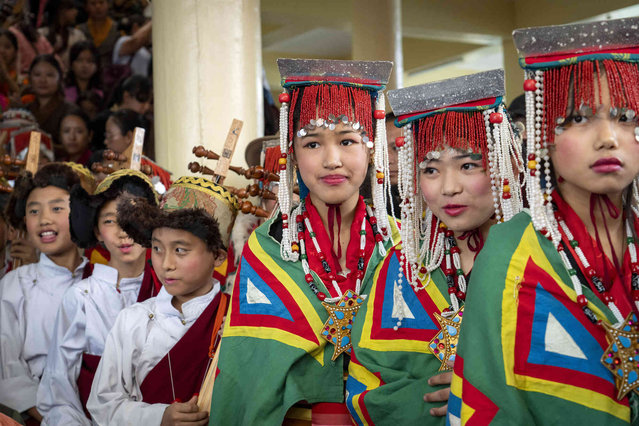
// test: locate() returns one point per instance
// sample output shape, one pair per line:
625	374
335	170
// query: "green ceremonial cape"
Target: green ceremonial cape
389	369
527	353
271	353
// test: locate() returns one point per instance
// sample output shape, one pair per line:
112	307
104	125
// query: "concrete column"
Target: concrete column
207	70
377	34
514	73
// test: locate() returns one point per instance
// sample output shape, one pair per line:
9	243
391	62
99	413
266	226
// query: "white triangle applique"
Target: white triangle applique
254	295
400	308
558	340
454	420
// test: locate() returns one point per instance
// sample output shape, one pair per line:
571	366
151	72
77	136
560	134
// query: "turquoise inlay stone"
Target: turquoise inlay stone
451	330
620	372
632	377
345	341
624	341
615	348
339	315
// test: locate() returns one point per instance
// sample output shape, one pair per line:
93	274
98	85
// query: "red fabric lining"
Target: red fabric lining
352	250
189	359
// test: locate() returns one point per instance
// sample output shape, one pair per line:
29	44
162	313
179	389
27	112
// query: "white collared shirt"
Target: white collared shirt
142	335
86	315
29	301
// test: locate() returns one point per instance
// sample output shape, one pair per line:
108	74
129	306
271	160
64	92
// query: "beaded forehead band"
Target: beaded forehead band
326	93
563	65
463	114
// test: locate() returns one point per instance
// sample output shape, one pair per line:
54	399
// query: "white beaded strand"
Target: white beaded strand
580	254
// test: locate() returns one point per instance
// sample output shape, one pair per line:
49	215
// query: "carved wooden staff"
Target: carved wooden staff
131	158
30	165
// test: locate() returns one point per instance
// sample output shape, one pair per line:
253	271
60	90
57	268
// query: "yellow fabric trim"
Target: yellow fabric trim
285	337
110	179
529	248
208	187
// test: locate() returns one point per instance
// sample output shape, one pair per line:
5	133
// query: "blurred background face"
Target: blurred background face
84	65
67	16
113	137
74	134
45	79
97	9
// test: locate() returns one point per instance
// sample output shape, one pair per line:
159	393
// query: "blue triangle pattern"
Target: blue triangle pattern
421	321
546	304
276	308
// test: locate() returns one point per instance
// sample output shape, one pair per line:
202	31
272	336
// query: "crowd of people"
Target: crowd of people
421	255
73	76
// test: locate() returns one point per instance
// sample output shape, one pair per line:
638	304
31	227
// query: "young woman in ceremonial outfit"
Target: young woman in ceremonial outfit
550	326
156	355
88	310
459	162
30	295
305	272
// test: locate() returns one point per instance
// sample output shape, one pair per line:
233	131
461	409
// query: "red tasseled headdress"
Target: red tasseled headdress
623	83
322	100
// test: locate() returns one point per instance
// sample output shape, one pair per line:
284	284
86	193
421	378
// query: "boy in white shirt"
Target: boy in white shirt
89	309
30	295
157	353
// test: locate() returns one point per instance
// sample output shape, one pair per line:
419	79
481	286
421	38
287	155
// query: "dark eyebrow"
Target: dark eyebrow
107	214
180	243
33	203
57	200
471	155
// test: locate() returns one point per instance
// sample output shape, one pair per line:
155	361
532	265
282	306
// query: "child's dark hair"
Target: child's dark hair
53	174
137	86
77	112
74	52
138	218
92	97
127	120
126	24
85	209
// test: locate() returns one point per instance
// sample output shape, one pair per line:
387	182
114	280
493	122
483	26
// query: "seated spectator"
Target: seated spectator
30	43
135	94
9	78
119	136
130	49
84	71
100	29
49	106
75	135
90	103
61	32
